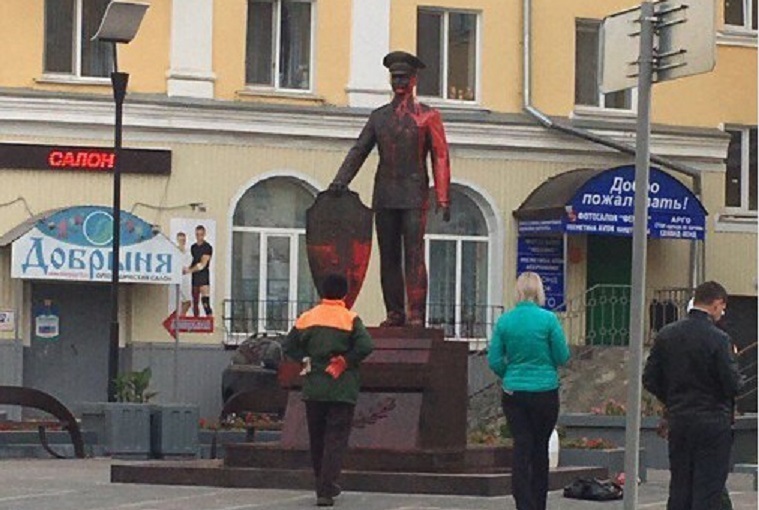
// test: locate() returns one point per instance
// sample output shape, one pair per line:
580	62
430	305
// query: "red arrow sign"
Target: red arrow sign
188	324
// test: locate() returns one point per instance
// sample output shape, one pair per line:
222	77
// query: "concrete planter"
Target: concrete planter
612	459
224	437
612	428
123	429
25	444
174	431
744	440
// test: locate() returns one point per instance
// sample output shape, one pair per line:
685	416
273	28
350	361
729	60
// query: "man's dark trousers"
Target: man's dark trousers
532	417
400	236
329	427
699	461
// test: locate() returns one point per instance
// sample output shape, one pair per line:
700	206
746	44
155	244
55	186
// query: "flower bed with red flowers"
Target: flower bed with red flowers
16	426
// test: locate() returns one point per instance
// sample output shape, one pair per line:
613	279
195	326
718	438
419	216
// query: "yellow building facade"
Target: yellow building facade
257	103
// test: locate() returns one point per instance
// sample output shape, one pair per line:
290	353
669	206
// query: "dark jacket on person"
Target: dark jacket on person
405	132
326	330
691	368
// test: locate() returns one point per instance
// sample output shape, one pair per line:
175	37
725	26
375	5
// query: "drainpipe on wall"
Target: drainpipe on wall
697	256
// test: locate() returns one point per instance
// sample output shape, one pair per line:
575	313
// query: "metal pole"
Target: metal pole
178	304
640	238
119	82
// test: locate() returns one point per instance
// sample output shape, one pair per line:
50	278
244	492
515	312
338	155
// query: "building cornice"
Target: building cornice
162	121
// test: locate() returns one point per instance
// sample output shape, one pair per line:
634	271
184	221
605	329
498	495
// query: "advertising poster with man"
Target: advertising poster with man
195	238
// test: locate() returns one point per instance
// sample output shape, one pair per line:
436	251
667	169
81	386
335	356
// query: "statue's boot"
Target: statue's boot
415	322
394	320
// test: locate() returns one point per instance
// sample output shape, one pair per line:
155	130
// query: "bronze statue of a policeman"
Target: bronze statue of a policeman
405	132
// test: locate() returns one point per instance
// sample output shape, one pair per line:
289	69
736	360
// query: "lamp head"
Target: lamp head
121	21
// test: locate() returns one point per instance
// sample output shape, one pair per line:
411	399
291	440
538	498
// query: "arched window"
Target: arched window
458	264
271	281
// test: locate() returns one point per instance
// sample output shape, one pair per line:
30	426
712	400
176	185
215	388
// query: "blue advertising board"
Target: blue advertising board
544	255
603	205
75	244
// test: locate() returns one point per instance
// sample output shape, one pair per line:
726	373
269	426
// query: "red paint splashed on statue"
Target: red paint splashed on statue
429	127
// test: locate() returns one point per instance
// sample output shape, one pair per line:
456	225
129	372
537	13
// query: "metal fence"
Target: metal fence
471	323
601	315
598	316
243	318
667	306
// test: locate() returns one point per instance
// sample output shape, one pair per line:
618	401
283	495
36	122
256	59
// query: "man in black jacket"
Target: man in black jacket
691	370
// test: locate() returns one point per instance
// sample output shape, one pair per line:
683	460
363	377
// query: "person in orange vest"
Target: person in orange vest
333	341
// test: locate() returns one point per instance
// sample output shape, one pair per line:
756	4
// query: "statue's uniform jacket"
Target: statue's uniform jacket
405	132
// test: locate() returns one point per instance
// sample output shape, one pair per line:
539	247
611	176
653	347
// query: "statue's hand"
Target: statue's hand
338	187
446	212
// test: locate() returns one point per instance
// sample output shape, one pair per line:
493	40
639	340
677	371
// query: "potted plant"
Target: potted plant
123	427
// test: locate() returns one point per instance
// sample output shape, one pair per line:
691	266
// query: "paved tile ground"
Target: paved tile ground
84	485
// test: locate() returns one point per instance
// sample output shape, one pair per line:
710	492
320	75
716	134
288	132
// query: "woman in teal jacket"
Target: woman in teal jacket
525	350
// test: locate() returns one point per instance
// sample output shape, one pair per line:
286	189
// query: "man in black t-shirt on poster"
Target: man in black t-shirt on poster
201	275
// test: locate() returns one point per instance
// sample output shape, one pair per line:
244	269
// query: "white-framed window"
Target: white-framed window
271	281
69	26
587	70
458	264
740	176
740	14
447	41
279	44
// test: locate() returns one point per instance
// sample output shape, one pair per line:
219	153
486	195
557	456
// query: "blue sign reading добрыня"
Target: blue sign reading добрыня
545	256
604	206
75	244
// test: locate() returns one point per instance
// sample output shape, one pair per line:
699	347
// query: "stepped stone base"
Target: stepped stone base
480	459
213	473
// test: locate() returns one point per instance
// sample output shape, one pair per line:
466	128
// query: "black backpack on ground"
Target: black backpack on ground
593	489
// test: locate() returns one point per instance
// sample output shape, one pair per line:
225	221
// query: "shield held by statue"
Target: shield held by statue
339	239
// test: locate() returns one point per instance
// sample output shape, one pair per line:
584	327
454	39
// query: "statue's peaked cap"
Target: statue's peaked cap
401	62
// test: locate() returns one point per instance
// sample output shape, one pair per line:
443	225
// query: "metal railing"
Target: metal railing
471	323
747	364
598	316
667	306
243	318
601	315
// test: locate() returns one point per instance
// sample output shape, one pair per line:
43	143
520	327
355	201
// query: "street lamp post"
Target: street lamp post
119	25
